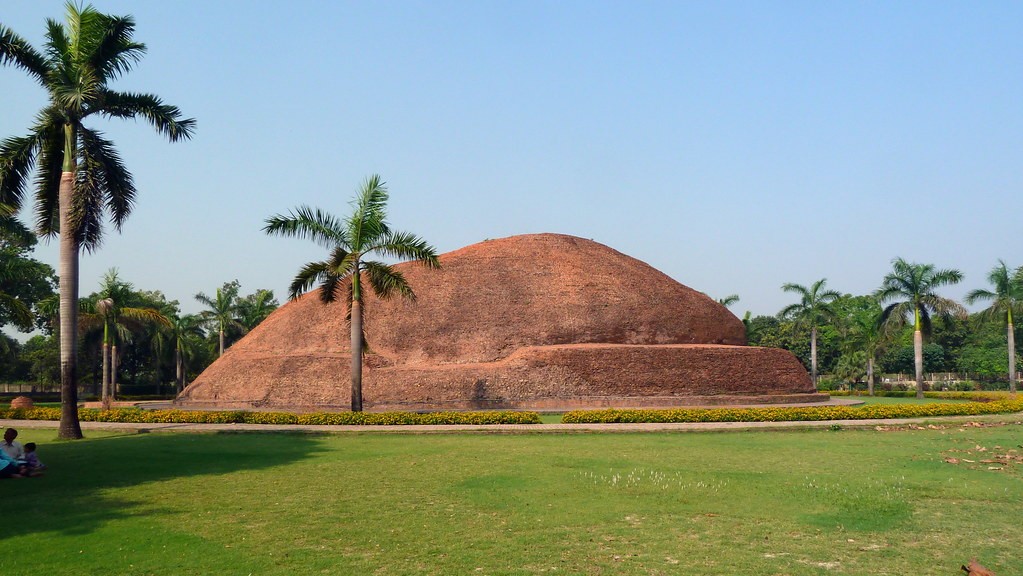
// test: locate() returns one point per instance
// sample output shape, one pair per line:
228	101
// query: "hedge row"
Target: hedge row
975	395
136	416
808	413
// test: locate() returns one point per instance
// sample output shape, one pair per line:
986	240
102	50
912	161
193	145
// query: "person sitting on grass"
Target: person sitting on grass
10	447
32	460
11	468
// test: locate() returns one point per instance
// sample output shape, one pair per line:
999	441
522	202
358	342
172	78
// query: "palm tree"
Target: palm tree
119	320
814	310
350	241
867	334
912	286
80	176
1006	299
182	331
222	311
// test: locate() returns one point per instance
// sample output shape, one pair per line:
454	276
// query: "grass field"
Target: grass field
771	503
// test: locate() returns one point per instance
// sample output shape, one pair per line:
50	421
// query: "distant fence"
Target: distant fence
932	381
938	378
28	388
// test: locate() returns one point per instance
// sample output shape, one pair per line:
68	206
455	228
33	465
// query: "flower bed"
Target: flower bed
138	416
807	413
975	395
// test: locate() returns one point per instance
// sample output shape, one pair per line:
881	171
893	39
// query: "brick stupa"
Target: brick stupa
541	321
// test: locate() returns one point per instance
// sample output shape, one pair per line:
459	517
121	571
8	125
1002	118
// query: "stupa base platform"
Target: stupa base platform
565	377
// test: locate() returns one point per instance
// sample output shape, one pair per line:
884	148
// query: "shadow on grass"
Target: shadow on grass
79	490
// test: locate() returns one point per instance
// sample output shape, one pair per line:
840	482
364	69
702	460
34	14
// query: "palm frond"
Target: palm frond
310	274
57	50
17	156
115	53
387	282
49	167
407	246
980	295
803	291
306	222
145	316
17	51
944	307
166	119
895	314
367	222
945	277
101	159
728	300
330	285
790	311
88	201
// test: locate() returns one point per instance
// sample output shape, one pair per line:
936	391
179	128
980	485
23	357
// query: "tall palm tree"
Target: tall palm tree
222	312
913	286
183	331
868	334
813	310
118	319
80	176
350	241
1006	299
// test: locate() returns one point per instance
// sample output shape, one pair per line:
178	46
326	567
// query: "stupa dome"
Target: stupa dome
532	321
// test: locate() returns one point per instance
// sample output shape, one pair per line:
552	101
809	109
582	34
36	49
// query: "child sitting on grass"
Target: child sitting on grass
32	460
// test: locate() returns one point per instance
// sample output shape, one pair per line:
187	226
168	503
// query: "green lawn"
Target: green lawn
890	400
772	503
555	418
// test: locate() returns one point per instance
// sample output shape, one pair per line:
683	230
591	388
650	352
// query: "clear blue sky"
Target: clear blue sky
736	146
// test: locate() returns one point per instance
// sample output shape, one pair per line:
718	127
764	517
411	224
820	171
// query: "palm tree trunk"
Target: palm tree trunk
813	355
221	341
918	360
178	370
69	428
104	394
113	372
1012	359
870	376
356	355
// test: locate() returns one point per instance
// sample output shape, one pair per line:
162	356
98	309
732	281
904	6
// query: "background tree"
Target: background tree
24	281
184	332
222	311
255	307
913	286
117	309
1005	299
350	241
813	310
867	335
80	174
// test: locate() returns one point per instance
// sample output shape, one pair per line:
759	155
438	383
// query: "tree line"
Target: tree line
903	327
130	341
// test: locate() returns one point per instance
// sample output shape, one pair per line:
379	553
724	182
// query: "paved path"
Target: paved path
520	428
